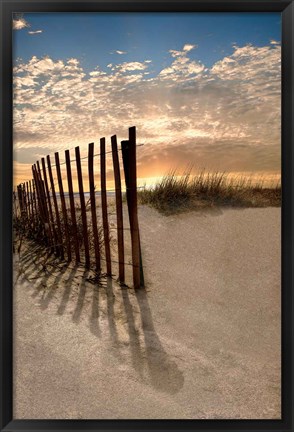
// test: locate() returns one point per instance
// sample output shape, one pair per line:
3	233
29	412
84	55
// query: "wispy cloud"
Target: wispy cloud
19	23
186	48
120	52
182	67
35	32
130	66
189	47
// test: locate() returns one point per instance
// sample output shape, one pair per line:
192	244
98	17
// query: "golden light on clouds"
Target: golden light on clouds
226	117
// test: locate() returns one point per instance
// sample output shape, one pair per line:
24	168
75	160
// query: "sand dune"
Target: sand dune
202	341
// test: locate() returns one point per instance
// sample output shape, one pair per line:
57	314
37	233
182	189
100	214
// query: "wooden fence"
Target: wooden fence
61	223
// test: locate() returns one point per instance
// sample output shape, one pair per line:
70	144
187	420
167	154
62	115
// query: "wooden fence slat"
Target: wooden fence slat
29	204
63	206
40	203
45	207
129	161
28	201
104	206
72	207
119	211
25	200
136	244
32	203
35	203
41	223
93	206
20	198
138	275
59	233
83	206
42	197
14	204
48	199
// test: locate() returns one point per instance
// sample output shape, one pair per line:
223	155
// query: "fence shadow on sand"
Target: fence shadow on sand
117	315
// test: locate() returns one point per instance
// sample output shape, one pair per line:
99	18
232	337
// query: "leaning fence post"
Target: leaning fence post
60	239
93	206
40	203
28	203
119	212
63	206
45	208
72	206
32	205
14	204
104	206
83	206
35	203
42	194
53	231
20	198
130	169
25	200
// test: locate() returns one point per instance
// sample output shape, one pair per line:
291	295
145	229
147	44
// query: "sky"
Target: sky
203	89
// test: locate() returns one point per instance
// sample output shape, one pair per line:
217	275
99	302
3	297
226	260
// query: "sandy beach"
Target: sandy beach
202	341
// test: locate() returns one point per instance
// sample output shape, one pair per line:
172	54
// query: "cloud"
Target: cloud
35	32
186	48
19	23
226	116
130	66
189	47
121	52
175	53
182	67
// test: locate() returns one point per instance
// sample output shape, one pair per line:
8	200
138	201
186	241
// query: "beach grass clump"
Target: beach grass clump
174	193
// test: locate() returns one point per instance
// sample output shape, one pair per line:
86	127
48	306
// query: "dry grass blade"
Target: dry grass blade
174	194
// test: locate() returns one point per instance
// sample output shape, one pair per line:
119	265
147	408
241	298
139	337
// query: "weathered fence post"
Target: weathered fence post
104	206
14	204
42	193
72	206
83	206
39	199
130	170
63	206
35	203
51	218
32	204
25	200
28	203
93	206
119	212
20	199
45	208
60	239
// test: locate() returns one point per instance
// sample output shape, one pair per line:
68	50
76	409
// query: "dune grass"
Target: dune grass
174	194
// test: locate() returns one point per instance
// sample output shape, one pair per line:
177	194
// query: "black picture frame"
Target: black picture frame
7	8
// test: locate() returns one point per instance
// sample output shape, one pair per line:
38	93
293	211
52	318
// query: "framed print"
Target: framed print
146	215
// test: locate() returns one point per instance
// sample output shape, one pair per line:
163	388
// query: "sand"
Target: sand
201	342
